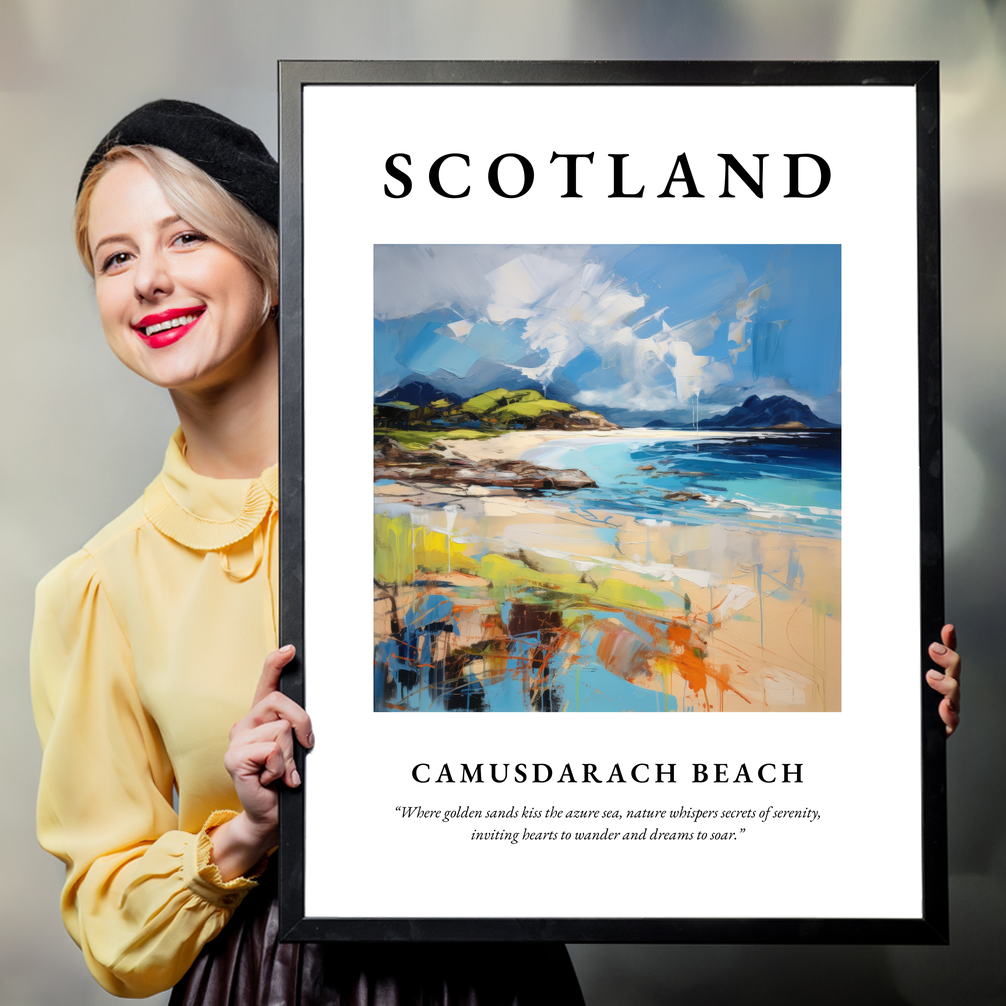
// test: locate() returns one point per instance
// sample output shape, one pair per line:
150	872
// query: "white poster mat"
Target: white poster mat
862	858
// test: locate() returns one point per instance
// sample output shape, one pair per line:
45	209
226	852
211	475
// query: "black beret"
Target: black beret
231	154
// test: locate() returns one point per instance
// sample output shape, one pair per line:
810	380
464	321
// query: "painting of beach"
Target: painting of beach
607	478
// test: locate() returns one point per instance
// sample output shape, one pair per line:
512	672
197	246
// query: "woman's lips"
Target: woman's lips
166	327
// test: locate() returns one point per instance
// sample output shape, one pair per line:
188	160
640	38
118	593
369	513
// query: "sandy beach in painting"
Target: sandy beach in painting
541	606
517	443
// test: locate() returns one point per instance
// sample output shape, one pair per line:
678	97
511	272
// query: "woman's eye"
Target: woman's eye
114	261
190	238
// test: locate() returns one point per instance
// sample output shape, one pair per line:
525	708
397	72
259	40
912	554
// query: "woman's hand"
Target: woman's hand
260	753
947	682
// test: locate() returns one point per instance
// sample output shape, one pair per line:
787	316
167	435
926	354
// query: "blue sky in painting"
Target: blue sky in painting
633	332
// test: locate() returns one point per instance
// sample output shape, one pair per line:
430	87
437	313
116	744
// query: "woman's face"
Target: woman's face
177	308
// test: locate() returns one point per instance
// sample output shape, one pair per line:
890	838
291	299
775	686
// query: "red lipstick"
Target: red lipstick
166	327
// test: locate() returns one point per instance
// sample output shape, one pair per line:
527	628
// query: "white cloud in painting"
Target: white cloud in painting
419	278
748	304
694	374
568	303
566	308
737	335
460	329
569	308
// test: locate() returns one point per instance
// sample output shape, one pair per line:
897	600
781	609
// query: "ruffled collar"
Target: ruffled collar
203	513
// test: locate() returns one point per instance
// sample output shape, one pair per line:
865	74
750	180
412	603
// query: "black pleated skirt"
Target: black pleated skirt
246	965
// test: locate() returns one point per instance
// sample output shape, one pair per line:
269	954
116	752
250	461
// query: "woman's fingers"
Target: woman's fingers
270	703
263	760
949	636
261	749
274	766
949	709
947	658
271	670
257	760
277	735
277	706
947	686
946	681
950	716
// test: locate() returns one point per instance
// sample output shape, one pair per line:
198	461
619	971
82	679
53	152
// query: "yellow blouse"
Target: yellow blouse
147	647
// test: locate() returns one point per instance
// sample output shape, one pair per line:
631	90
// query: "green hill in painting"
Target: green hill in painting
503	405
489	413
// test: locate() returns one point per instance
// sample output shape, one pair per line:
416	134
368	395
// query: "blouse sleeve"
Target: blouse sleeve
141	898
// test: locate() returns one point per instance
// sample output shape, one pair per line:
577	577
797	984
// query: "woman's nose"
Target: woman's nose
152	277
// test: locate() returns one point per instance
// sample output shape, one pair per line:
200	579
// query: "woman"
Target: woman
149	642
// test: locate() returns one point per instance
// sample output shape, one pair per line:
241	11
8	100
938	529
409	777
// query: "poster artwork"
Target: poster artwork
607	478
625	458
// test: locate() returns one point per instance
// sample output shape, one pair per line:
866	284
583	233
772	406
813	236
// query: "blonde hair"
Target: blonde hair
199	200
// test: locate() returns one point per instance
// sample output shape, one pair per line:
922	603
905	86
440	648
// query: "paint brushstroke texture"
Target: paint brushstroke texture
607	478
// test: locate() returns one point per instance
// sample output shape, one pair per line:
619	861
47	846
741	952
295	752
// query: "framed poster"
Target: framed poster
611	501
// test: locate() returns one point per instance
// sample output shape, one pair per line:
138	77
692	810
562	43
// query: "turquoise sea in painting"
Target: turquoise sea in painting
769	481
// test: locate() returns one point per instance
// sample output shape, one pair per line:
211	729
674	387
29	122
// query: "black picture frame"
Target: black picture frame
932	925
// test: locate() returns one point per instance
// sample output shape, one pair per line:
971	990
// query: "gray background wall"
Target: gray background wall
82	436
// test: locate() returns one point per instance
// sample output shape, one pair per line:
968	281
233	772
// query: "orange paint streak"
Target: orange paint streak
672	650
683	643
